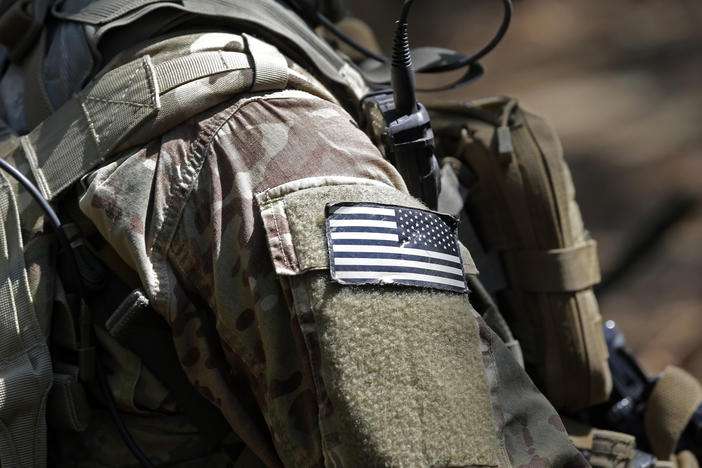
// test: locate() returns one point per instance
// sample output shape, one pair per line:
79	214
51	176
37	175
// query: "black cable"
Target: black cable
496	39
402	71
311	13
121	427
66	246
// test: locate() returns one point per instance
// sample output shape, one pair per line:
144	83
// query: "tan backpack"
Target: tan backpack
524	229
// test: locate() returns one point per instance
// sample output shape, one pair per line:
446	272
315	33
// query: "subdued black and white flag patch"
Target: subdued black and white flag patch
371	243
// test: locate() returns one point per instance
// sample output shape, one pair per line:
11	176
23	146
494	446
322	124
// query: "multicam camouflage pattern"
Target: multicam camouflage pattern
181	212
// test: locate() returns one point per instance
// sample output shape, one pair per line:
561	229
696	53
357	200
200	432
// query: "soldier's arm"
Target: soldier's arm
224	220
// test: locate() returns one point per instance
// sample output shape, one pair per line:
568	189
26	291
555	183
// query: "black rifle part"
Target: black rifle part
626	408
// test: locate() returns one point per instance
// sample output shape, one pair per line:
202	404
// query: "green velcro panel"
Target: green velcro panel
403	372
559	270
293	215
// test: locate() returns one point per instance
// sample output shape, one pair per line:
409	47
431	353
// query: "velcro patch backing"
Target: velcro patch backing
372	243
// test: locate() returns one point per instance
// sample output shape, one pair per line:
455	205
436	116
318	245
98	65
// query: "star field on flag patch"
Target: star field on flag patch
371	243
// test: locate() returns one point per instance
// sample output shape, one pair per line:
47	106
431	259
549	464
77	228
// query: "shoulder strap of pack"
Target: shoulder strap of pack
105	116
25	364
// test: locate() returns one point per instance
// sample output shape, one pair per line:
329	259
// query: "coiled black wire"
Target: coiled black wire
312	14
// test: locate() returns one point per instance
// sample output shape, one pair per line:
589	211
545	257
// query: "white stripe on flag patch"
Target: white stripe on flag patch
362	223
389	277
398	263
365	236
396	250
368	210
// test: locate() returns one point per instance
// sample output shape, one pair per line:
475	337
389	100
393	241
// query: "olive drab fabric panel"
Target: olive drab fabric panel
25	364
402	334
519	199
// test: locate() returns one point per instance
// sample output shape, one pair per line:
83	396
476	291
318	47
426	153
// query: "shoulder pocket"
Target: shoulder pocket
293	215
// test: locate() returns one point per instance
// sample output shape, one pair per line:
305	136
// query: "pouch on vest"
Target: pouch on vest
526	234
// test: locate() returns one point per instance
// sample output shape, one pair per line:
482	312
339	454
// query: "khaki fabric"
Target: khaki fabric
605	449
521	203
687	459
674	399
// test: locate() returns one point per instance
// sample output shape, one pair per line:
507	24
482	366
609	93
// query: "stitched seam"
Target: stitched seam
129	80
115	101
162	238
91	124
280	238
154	91
282	197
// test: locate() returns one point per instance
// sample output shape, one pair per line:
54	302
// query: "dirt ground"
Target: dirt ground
622	83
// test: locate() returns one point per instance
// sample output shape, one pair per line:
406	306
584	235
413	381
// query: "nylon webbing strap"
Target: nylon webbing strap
674	399
88	128
174	73
271	68
560	270
84	131
101	11
25	365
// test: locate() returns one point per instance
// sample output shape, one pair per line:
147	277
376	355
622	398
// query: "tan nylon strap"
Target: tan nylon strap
25	364
174	73
559	270
612	449
687	459
84	131
673	400
88	128
606	449
271	67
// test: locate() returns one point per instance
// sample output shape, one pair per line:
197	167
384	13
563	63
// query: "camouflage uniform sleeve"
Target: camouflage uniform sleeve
221	218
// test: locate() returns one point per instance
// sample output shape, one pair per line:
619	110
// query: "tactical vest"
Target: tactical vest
514	189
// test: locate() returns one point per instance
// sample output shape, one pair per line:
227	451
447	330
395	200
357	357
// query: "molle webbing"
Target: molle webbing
25	365
603	449
521	202
136	102
111	26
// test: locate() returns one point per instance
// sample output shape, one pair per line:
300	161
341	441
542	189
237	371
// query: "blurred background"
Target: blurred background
621	81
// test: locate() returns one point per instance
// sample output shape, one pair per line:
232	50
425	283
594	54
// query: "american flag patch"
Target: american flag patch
385	244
